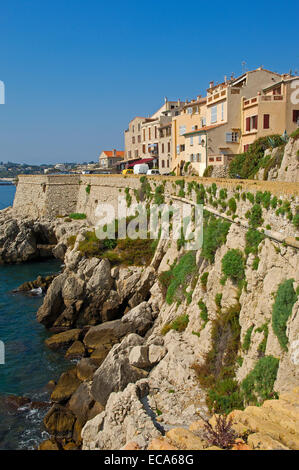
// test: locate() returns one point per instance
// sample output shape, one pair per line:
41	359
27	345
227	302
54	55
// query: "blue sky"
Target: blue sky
76	72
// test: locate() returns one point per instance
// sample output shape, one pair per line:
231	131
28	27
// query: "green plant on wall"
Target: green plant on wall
282	309
87	189
233	265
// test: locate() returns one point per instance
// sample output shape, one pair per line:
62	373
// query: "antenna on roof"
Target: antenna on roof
244	66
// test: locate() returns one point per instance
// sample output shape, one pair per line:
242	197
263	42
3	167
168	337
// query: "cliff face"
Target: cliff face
282	165
187	333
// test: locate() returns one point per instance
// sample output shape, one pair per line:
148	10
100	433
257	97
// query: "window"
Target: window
143	134
178	149
191	140
133	128
182	147
266	121
155	132
139	138
189	110
168	147
182	130
191	157
198	157
246	147
248	124
203	122
143	149
149	133
139	127
232	136
163	164
214	114
296	115
254	122
222	111
136	153
194	128
162	148
133	140
167	163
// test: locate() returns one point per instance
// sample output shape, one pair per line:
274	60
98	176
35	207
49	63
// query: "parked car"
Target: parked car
127	171
141	169
153	171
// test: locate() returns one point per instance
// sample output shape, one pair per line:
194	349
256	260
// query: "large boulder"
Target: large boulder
82	403
86	368
53	303
63	340
59	422
107	333
66	386
116	372
139	319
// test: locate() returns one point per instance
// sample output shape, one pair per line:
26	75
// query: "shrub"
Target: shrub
179	324
77	216
247	339
128	197
247	164
208	172
255	217
204	312
232	204
218	298
296	220
204	279
262	346
258	385
282	309
222	434
214	235
178	275
255	263
87	189
159	195
233	264
253	239
223	193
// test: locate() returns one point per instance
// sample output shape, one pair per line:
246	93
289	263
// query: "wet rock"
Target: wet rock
86	368
40	281
107	333
75	351
59	422
49	444
66	386
63	340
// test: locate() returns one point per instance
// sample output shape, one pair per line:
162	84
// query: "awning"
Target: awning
144	160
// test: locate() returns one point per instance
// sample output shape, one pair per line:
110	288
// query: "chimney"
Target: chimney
225	78
114	152
198	97
212	84
179	102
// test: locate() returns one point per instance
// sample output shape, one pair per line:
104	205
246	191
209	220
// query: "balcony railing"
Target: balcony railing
259	98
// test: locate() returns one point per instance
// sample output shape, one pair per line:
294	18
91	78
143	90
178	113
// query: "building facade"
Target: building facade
218	120
150	137
109	158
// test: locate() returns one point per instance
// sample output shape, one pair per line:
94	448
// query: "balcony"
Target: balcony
262	98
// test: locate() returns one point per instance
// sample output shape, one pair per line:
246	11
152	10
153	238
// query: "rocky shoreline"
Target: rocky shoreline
138	336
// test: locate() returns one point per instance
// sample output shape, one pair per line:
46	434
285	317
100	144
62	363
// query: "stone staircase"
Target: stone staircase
273	426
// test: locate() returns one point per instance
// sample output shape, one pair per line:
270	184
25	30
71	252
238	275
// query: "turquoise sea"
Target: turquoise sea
29	364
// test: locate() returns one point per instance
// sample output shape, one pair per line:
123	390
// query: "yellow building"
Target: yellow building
217	137
271	111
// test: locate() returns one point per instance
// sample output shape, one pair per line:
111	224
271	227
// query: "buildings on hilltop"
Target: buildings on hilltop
210	130
148	139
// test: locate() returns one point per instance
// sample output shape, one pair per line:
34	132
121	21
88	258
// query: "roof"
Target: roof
284	80
203	129
195	102
110	153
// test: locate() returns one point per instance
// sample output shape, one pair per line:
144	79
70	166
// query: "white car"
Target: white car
140	169
153	172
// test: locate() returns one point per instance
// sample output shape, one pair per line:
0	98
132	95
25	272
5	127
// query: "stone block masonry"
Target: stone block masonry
54	195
